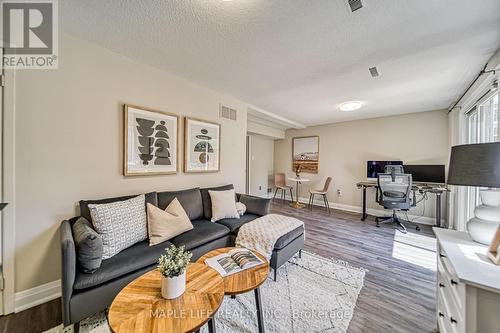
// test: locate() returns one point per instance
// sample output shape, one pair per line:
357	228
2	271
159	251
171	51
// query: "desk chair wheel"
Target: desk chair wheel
417	228
392	220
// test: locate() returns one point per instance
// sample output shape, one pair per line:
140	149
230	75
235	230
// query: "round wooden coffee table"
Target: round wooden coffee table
244	281
139	307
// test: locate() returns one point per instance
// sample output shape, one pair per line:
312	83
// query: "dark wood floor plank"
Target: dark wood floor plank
35	320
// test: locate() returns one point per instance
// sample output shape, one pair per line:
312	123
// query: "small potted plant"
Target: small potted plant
172	265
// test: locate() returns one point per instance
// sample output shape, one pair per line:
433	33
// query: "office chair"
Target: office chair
280	184
397	169
394	192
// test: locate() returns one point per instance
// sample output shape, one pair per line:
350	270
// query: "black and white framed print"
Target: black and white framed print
201	145
151	141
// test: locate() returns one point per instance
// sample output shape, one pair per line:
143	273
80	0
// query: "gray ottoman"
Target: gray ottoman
286	247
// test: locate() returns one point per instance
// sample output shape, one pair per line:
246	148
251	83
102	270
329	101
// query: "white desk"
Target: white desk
296	203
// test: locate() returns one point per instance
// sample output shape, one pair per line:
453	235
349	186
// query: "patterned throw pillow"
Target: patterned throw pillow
241	208
121	224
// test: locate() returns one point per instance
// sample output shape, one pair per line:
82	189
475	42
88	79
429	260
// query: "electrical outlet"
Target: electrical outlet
339	192
260	188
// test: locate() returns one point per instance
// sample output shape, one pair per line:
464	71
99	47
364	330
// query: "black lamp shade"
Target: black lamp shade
475	165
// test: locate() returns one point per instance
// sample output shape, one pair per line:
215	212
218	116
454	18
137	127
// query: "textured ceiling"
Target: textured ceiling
301	58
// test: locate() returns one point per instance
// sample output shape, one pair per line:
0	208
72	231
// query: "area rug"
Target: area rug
313	294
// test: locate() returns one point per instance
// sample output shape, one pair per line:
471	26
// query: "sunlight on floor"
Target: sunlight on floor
415	249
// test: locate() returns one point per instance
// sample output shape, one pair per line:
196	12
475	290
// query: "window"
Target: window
482	127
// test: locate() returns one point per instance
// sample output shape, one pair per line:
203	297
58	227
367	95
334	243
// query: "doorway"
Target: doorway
260	164
247	166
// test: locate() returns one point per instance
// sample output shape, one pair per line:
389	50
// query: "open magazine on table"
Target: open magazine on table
234	261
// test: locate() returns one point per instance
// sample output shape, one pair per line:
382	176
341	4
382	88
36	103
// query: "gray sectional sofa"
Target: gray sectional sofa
84	294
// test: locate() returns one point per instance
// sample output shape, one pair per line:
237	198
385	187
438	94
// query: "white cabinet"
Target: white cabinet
468	285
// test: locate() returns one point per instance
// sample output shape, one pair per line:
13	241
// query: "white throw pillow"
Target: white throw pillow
223	205
166	224
120	224
241	208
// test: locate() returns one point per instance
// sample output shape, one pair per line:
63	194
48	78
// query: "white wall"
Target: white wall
69	143
417	138
261	164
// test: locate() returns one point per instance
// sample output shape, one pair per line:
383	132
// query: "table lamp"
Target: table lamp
479	165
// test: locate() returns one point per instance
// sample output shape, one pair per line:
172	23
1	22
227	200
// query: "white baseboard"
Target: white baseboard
38	295
369	211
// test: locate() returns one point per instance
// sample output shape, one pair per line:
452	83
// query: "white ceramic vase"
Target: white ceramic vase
482	227
173	287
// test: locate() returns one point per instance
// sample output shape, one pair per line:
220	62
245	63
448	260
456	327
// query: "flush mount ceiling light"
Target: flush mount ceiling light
350	106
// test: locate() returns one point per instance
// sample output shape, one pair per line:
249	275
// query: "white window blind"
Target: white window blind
482	127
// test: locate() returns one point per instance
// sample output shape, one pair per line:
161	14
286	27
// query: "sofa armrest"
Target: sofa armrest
255	205
68	258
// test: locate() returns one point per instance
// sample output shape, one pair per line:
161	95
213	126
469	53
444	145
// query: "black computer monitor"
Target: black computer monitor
426	173
373	168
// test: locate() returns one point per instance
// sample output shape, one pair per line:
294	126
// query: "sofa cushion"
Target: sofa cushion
288	238
189	199
120	224
88	245
241	208
84	204
223	205
207	203
203	232
235	224
255	205
129	260
168	223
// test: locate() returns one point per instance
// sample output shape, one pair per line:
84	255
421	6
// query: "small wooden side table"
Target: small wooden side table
244	281
139	307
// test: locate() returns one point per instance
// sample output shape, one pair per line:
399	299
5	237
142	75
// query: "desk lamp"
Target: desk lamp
479	165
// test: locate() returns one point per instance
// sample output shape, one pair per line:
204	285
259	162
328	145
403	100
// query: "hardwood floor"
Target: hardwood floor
37	319
398	295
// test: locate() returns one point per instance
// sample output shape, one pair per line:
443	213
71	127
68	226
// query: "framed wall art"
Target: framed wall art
305	154
151	141
201	145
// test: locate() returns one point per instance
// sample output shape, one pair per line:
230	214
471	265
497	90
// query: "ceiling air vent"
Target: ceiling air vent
355	4
227	112
374	71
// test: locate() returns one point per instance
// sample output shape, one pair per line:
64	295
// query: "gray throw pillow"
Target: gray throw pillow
255	205
121	224
88	245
